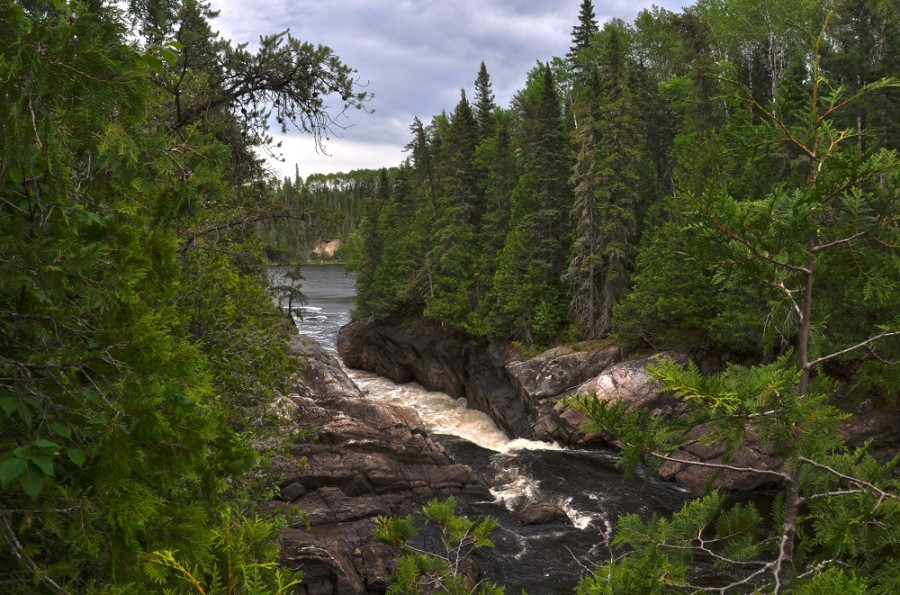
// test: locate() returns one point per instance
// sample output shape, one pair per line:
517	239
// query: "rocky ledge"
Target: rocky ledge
365	459
526	398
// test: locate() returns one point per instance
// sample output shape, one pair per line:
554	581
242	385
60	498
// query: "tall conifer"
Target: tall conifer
621	171
460	206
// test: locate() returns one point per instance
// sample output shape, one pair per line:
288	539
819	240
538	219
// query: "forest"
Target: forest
724	176
140	352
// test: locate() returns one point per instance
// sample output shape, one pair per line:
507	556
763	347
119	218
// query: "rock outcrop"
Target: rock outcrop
526	398
418	351
365	459
539	513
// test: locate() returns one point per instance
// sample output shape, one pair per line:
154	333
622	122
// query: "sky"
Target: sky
414	56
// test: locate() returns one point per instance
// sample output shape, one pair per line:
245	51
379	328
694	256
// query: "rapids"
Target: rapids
542	559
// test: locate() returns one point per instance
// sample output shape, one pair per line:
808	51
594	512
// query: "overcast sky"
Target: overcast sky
414	56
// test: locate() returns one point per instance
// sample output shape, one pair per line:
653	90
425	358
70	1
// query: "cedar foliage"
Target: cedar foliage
139	350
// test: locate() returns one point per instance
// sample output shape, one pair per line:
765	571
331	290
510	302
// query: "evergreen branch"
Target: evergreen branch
16	547
854	480
753	250
831	356
747	97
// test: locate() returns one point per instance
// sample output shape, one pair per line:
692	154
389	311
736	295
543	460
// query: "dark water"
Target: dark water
544	559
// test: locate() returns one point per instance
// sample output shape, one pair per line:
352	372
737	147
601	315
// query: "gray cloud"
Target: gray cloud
415	55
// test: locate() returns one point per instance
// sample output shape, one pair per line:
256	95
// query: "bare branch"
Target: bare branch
237	223
831	356
722	466
821	247
16	547
853	480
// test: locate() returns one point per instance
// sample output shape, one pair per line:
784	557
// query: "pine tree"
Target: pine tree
484	103
583	33
528	300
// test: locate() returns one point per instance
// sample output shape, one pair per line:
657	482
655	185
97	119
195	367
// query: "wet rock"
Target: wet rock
880	426
526	399
422	352
697	478
366	459
539	513
558	371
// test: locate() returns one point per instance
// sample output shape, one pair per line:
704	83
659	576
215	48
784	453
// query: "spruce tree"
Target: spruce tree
459	209
484	103
583	33
585	270
833	528
372	243
621	172
528	299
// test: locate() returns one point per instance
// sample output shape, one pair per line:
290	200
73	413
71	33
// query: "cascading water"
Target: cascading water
541	559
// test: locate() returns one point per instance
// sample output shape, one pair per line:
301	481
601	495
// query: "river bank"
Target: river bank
526	398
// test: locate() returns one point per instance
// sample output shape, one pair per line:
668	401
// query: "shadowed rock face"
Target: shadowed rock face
461	367
526	398
366	459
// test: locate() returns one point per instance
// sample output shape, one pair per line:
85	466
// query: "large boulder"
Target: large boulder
626	381
541	381
539	513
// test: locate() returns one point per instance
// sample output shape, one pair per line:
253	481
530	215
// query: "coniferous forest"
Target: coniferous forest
725	176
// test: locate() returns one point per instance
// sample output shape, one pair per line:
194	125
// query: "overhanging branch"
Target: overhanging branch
189	241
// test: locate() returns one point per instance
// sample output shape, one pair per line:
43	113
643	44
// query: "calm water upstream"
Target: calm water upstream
543	560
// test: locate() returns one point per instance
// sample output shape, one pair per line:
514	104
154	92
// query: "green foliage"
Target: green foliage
418	571
836	509
140	350
238	544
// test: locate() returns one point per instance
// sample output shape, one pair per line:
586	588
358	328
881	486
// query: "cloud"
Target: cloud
340	155
414	56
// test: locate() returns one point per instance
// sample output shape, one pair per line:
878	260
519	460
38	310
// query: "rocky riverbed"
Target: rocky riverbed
526	398
365	459
368	458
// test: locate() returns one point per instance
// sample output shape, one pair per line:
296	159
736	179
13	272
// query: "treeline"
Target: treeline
725	177
335	203
140	352
571	213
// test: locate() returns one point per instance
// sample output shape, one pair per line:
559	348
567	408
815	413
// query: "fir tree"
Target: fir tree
484	103
583	33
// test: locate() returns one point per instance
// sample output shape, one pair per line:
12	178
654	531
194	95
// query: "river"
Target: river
543	559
